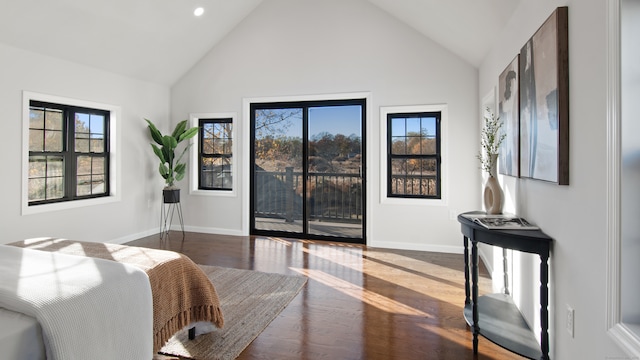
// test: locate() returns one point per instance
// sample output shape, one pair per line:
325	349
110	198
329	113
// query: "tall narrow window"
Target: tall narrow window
413	155
68	153
215	154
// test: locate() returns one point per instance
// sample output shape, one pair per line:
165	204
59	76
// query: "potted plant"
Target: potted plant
491	139
171	168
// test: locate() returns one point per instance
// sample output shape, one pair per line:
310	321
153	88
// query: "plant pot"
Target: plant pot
171	196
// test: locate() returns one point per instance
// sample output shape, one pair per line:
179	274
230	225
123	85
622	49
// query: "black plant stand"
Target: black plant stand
170	205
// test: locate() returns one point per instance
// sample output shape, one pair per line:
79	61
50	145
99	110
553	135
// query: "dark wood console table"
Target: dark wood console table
495	316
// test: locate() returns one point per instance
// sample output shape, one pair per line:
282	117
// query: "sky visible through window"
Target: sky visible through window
94	124
406	126
345	120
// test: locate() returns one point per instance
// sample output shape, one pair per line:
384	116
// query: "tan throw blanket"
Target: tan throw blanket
182	293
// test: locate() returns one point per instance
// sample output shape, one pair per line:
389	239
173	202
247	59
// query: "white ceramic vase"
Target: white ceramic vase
493	194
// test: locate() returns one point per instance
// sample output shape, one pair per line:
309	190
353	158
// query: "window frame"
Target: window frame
385	139
112	157
391	156
201	155
70	153
246	140
304	105
194	157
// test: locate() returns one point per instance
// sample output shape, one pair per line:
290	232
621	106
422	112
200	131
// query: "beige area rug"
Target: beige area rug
250	300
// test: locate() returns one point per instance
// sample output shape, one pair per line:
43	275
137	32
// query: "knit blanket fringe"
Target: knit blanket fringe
208	313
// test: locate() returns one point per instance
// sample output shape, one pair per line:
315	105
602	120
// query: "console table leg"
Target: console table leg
474	294
467	288
544	307
505	271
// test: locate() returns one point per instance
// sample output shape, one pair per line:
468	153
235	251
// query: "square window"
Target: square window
58	133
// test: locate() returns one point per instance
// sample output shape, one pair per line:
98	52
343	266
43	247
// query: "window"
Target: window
212	168
413	155
68	153
215	154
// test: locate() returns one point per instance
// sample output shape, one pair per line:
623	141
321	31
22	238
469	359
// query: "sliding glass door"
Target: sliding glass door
307	177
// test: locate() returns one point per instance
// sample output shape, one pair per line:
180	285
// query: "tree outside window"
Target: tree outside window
215	154
413	155
68	153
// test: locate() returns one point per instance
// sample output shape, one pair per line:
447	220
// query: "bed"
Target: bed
20	336
75	300
181	294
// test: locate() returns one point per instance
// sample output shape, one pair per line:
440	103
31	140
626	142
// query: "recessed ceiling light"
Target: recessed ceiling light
198	11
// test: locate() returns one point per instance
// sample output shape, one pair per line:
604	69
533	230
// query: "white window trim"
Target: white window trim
626	336
193	158
114	155
444	157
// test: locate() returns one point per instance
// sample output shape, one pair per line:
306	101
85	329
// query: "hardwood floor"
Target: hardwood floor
359	302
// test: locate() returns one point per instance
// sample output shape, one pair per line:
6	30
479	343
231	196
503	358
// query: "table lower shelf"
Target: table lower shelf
502	322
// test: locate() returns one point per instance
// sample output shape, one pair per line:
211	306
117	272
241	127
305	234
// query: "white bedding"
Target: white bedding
87	308
20	336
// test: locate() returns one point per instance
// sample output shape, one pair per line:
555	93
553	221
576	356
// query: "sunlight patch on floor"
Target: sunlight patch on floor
390	269
357	292
409	263
279	240
453	336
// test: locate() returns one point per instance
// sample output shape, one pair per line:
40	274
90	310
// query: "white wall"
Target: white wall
138	211
290	48
573	215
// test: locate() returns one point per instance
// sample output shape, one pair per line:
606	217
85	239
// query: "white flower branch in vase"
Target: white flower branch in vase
491	138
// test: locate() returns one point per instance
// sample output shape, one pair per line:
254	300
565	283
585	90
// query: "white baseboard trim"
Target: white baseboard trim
208	230
418	247
175	227
131	237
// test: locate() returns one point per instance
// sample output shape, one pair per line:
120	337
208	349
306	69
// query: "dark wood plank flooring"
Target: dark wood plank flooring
359	302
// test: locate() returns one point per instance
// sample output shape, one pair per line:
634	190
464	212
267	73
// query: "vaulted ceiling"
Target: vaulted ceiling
159	40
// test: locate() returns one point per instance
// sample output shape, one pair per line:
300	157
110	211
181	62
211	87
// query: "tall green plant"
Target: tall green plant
171	168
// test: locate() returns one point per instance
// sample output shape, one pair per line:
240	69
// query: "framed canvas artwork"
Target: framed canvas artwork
544	102
509	113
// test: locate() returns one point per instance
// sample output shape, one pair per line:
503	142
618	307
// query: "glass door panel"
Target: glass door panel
307	170
278	203
334	171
